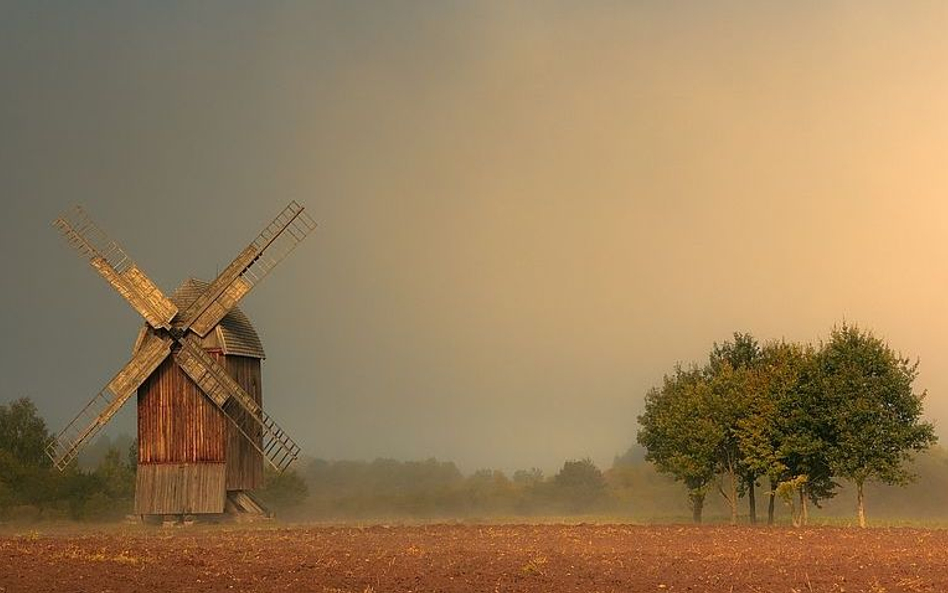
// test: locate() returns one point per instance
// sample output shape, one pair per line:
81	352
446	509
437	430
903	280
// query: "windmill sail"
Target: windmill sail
183	336
255	425
111	261
66	445
273	244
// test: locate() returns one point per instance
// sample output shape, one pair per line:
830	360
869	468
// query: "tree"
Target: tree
283	490
780	438
734	366
579	484
873	420
116	476
742	352
489	490
634	454
803	441
732	391
108	490
23	433
679	433
25	476
528	477
758	442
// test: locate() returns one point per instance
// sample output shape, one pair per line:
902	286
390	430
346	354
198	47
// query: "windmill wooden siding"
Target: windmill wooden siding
244	462
180	488
177	423
189	453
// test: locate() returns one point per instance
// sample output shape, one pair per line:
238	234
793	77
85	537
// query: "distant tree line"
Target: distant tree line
101	486
793	417
433	489
630	489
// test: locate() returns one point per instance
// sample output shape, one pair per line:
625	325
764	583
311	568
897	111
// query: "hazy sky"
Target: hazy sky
528	211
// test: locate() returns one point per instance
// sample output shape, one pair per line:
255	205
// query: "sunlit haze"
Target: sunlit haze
527	213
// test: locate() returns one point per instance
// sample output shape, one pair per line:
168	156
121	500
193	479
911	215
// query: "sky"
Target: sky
528	212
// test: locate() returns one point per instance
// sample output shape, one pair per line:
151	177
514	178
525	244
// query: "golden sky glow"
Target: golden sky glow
527	214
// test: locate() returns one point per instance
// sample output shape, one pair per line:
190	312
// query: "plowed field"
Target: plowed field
546	558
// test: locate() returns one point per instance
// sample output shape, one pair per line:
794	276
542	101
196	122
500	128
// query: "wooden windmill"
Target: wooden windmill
203	436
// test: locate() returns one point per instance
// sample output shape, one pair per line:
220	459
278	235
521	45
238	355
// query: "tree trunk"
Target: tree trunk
770	503
804	510
697	505
751	499
860	504
733	497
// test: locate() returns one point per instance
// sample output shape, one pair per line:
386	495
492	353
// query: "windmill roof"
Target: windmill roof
235	333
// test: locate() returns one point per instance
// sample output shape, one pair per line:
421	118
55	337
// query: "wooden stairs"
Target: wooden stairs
244	507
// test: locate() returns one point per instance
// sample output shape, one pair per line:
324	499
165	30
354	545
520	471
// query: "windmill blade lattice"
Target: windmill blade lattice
65	446
111	261
213	379
249	268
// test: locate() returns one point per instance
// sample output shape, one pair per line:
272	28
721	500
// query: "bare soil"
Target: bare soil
466	558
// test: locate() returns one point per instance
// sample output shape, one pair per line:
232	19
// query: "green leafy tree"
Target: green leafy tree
732	393
741	352
780	436
803	440
874	420
23	433
111	487
757	445
25	472
734	371
679	433
580	485
116	476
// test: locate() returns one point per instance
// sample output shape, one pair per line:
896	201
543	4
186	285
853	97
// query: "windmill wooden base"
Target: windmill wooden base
239	507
